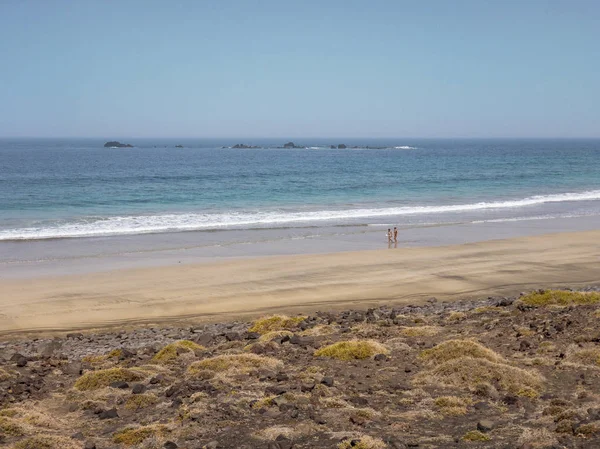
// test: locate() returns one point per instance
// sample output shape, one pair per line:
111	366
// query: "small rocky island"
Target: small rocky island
244	146
291	145
115	144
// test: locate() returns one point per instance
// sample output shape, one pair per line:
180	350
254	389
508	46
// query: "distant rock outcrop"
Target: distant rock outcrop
341	146
115	144
242	145
178	146
291	145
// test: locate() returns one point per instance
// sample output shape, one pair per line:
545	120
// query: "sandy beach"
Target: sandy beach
304	283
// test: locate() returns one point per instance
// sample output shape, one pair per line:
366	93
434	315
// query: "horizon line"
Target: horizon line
300	137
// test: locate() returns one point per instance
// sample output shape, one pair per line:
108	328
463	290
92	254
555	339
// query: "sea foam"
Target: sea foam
140	224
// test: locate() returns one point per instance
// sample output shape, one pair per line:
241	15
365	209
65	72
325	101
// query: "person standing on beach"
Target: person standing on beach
389	235
395	234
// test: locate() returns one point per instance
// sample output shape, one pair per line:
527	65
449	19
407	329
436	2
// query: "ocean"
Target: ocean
75	190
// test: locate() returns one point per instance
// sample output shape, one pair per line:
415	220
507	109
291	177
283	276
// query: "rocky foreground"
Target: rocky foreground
497	373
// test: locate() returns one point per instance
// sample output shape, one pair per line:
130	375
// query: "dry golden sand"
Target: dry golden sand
304	283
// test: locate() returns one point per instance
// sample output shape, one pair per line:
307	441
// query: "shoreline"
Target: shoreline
246	287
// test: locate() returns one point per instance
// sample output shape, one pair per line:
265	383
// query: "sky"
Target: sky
335	68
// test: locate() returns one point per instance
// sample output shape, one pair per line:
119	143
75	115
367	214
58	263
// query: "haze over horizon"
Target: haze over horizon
244	70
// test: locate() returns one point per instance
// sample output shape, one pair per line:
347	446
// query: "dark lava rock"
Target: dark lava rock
119	384
233	336
109	414
380	358
485	425
524	345
138	389
157	379
75	336
358	401
21	361
252	336
505	302
282	377
307	387
328	381
73	368
170	445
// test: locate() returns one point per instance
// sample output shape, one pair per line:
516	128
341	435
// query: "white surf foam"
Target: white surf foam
405	147
123	225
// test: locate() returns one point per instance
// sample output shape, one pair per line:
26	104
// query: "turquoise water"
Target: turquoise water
53	188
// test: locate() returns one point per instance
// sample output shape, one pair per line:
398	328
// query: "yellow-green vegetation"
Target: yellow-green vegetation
586	356
11	427
10	412
475	435
47	442
138	401
588	429
352	350
469	372
275	323
265	402
485	309
273	335
319	330
169	353
96	360
239	363
5	375
93	380
456	316
454	349
364	442
452	405
420	331
135	435
560	298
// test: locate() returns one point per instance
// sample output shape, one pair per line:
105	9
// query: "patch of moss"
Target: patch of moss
452	405
11	427
586	356
138	401
275	323
456	316
263	402
93	380
10	412
352	350
588	429
319	330
362	442
5	375
560	298
168	354
273	335
135	435
47	442
420	331
469	372
234	362
475	435
453	349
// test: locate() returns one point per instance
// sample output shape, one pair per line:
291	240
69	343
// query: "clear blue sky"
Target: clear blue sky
145	68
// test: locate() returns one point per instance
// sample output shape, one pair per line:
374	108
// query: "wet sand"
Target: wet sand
302	283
